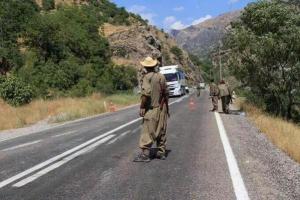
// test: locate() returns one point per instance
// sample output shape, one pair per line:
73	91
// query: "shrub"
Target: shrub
166	58
15	92
177	52
82	89
117	78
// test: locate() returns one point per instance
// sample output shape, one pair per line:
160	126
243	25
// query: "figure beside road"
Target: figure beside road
198	90
214	94
154	110
225	96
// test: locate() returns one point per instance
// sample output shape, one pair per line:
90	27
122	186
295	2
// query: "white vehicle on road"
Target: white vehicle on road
175	80
202	85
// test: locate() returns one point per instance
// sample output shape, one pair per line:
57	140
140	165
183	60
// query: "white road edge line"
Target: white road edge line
119	137
63	134
61	162
53	159
21	145
236	177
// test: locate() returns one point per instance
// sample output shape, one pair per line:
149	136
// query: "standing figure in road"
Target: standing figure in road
214	94
225	95
198	90
154	110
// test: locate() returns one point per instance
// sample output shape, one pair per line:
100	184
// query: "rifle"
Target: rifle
164	99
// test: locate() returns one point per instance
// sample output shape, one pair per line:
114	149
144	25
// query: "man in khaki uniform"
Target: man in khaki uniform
214	94
225	95
154	110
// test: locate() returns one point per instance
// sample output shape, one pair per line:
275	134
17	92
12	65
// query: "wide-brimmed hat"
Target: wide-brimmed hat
149	62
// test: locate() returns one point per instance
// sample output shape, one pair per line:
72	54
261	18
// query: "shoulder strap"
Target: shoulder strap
150	80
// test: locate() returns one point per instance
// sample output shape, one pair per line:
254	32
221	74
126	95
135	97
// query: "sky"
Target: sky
179	14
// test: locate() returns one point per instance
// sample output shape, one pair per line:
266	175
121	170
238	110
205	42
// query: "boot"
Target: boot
161	155
141	158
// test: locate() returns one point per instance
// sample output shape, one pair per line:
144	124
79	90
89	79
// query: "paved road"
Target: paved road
211	156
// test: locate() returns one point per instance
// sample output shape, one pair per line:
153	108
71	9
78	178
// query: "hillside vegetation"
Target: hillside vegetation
47	52
55	48
264	54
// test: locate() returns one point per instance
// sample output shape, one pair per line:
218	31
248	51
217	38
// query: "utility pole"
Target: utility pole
220	60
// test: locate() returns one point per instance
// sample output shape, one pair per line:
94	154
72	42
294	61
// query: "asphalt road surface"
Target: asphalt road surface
210	156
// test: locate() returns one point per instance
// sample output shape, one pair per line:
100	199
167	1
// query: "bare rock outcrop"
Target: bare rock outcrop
130	44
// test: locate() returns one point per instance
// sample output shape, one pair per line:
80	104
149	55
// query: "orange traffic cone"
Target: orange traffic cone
192	105
112	107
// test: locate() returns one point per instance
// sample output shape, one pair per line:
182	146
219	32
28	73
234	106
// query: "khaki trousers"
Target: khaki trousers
154	129
225	104
215	100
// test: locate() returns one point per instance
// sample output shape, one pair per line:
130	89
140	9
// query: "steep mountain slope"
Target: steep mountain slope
202	38
129	44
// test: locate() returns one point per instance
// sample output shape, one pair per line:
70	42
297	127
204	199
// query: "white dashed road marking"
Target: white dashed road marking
21	145
64	134
119	137
71	154
60	156
61	162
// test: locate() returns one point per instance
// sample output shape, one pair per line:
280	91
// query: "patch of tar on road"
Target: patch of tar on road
106	176
117	156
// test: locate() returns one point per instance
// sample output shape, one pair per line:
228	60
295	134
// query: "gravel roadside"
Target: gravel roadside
268	172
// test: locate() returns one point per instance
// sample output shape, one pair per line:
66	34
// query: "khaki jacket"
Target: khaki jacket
224	90
152	86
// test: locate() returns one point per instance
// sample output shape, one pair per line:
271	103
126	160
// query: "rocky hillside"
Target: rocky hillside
200	39
130	44
64	2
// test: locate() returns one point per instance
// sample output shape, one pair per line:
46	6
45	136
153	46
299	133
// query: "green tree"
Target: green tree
14	91
48	4
63	53
117	78
68	31
14	16
66	42
205	66
177	52
264	54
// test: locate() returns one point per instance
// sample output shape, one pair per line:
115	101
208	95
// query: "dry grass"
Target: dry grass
60	110
284	134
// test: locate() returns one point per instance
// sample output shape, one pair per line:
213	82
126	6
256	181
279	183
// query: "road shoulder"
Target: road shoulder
268	172
44	126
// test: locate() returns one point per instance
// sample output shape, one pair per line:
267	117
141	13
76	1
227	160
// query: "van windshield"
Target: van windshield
171	77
